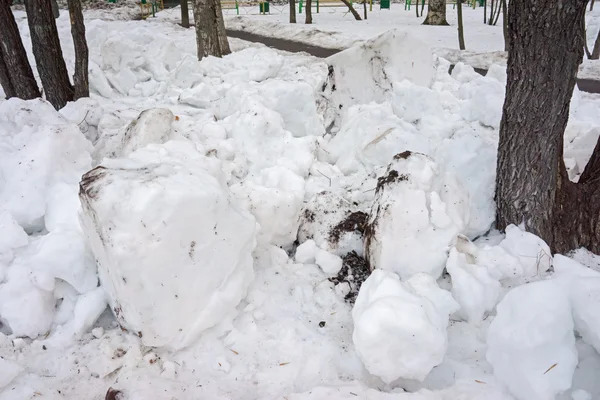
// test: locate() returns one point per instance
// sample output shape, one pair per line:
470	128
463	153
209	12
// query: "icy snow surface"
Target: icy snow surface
243	143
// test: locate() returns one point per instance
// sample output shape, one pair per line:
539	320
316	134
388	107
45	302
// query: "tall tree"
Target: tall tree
207	28
505	24
185	13
223	42
436	13
47	52
16	75
292	11
308	11
532	185
461	29
80	78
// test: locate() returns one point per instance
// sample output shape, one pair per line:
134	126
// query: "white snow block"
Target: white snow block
400	327
174	250
417	212
531	344
152	126
8	371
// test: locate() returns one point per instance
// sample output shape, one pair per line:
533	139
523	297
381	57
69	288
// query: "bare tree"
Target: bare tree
185	13
365	9
352	10
207	28
223	42
292	11
436	13
592	5
16	76
308	10
461	29
532	184
80	78
48	53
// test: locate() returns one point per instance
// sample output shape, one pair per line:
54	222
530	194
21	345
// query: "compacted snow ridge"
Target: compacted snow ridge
276	226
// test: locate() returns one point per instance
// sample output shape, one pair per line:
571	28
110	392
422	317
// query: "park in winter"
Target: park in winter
299	200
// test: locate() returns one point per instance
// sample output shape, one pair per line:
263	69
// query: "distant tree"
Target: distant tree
292	11
185	13
210	38
532	185
461	29
48	53
80	78
436	13
592	5
352	10
308	10
16	76
365	9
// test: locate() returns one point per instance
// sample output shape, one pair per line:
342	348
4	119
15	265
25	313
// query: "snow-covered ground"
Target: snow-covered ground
190	155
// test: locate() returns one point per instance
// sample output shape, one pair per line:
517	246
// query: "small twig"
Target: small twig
325	177
548	370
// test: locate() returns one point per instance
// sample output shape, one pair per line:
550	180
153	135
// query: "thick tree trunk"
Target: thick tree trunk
80	78
185	13
532	186
207	29
436	13
461	29
18	80
308	10
505	24
292	11
55	9
352	10
47	52
7	86
223	42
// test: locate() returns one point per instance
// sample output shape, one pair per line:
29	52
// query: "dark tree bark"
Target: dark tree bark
47	52
498	9
592	5
532	185
492	9
292	11
18	80
185	13
55	9
436	13
505	24
352	10
484	11
596	51
207	28
308	10
223	42
461	29
422	7
365	9
80	78
417	9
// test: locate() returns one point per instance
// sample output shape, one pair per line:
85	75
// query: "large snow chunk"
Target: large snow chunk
173	248
531	344
366	73
416	214
400	327
12	236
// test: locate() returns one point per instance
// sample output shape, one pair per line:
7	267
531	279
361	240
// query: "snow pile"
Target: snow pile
416	214
173	248
400	327
531	344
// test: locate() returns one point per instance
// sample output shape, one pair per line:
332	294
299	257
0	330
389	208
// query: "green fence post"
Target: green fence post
300	7
237	8
317	6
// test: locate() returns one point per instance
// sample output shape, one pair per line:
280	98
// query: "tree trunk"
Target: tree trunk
484	11
491	19
592	5
596	51
7	86
436	13
308	10
532	185
207	29
505	24
365	9
18	81
55	9
498	9
352	10
48	54
416	8
292	11
80	78
461	30
185	13
223	42
422	7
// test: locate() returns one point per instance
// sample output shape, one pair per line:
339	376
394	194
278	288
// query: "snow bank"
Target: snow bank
531	344
173	248
400	327
416	214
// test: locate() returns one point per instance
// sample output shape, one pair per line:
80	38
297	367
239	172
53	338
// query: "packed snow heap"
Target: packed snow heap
264	225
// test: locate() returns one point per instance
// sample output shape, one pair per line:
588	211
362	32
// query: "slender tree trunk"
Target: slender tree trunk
416	8
492	9
585	43
352	10
422	6
532	185
292	11
308	11
365	9
18	80
461	30
207	29
80	78
185	13
596	51
48	53
485	11
592	5
223	42
436	13
505	24
498	9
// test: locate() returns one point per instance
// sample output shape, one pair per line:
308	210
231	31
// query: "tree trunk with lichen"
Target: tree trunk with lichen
207	29
436	13
80	77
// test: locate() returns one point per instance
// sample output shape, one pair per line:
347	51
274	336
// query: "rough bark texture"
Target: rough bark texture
207	28
55	9
223	42
505	24
185	14
461	29
436	13
18	80
292	11
308	11
596	51
80	78
47	52
352	10
532	186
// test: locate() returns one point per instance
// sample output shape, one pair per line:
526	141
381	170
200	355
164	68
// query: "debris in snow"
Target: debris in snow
353	273
113	394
